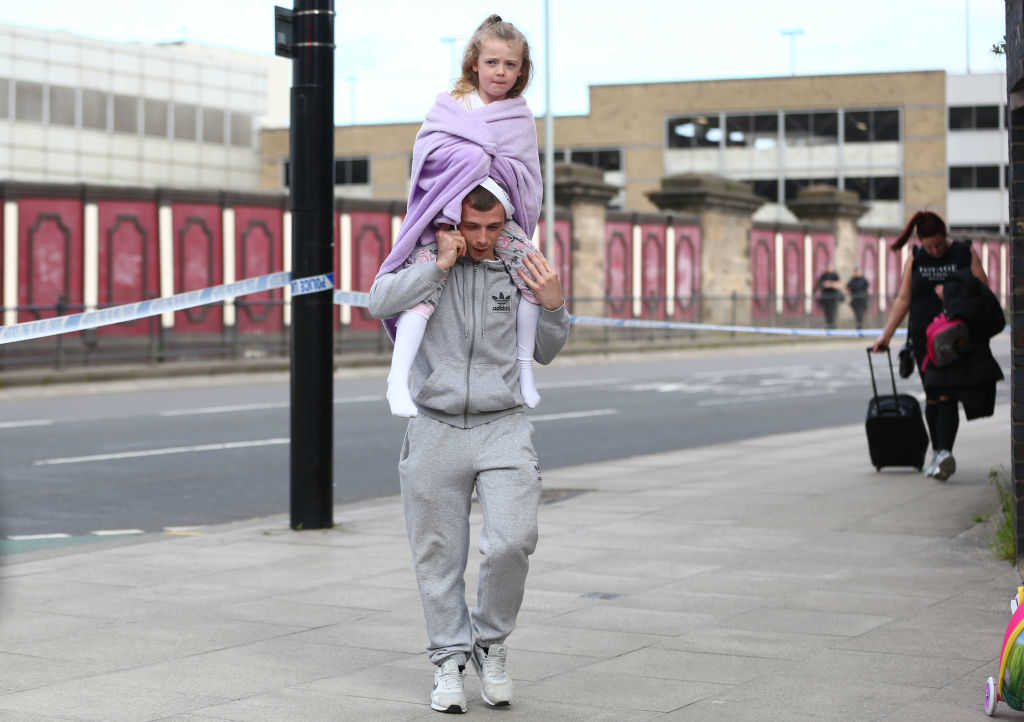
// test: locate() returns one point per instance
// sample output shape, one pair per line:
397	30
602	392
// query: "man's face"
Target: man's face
481	230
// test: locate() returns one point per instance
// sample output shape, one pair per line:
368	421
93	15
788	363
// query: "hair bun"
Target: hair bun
492	20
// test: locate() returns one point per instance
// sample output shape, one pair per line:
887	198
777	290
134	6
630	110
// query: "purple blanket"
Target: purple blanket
455	150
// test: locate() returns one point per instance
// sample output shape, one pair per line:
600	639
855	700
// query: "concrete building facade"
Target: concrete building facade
901	141
79	110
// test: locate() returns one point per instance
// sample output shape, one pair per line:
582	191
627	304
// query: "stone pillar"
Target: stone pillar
839	209
724	208
583	191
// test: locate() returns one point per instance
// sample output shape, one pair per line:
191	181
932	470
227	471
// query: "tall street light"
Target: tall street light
792	35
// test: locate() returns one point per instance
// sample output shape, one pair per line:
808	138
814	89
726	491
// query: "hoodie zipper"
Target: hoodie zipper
472	343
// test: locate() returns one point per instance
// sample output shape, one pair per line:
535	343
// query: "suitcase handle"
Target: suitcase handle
892	374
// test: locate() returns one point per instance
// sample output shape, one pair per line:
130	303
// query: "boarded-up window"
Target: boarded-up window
28	101
241	129
94	109
213	125
185	121
62	105
126	114
156	118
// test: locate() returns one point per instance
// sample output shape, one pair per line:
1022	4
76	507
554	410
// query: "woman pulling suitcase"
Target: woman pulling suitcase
939	277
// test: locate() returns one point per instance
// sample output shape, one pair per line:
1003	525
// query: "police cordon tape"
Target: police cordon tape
325	282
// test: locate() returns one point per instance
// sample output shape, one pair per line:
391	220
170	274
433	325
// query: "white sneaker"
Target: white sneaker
495	684
448	694
929	468
944	465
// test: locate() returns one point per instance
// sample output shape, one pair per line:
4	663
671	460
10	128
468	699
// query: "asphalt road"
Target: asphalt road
135	457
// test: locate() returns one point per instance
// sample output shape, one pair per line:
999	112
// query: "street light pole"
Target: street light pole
792	35
306	34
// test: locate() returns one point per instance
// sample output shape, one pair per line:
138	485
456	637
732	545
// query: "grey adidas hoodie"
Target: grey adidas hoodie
465	373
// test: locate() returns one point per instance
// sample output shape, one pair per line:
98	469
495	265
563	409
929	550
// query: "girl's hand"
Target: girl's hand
542	280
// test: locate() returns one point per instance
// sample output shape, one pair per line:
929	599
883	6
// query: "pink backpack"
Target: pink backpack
947	341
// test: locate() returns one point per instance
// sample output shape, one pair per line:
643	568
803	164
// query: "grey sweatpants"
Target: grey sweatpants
439	467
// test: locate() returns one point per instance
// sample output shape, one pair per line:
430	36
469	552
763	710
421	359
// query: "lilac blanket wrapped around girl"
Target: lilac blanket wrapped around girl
455	150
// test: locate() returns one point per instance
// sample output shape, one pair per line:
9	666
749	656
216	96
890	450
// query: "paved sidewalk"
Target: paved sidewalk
774	579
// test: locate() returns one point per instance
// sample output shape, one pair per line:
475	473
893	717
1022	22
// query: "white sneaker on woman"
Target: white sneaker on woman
944	465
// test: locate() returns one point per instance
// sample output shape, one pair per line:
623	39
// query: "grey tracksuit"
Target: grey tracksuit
471	433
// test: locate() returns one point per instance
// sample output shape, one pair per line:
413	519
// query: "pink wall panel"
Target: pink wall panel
49	255
619	268
688	245
198	263
652	269
561	255
762	269
129	260
793	272
371	243
893	273
259	249
995	275
869	267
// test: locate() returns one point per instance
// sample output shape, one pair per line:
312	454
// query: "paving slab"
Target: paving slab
779	578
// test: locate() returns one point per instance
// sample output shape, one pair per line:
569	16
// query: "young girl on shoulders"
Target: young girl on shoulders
482	130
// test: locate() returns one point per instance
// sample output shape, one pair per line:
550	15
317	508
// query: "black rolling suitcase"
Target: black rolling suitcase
896	433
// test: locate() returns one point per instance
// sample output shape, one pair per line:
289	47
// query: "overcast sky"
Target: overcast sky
392	52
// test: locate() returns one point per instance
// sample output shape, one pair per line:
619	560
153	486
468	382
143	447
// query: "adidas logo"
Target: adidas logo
502	303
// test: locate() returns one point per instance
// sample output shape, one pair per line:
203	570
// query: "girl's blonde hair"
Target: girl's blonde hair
493	27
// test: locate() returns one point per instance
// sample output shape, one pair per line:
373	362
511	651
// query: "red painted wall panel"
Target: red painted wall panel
688	249
371	243
259	249
762	269
618	268
868	256
198	263
652	265
49	255
995	275
793	272
129	260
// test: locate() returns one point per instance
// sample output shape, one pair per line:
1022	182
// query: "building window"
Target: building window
608	160
126	114
28	102
874	188
700	131
347	171
241	129
351	171
185	121
973	117
155	114
213	125
866	126
812	128
62	105
793	186
766	189
4	90
752	131
94	110
973	176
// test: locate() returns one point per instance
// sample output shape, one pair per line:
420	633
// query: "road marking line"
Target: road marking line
222	409
26	423
34	537
116	532
184	530
162	452
204	410
573	415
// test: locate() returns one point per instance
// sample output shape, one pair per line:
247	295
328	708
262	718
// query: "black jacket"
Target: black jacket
974	376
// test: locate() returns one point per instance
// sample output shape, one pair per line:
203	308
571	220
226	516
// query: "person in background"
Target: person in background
829	294
857	287
933	264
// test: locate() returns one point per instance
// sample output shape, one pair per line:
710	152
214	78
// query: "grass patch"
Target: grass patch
1004	544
